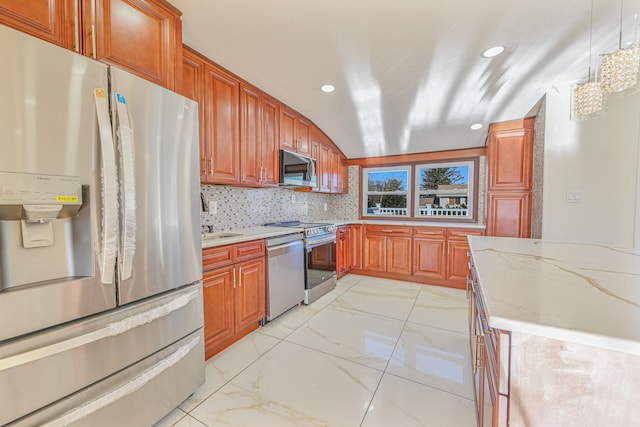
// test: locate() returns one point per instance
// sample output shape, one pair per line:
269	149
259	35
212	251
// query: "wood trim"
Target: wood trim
526	123
418	157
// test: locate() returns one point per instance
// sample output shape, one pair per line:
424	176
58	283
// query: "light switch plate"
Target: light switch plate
213	207
573	197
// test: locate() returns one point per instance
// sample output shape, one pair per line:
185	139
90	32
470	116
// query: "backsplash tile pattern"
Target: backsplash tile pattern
345	206
538	172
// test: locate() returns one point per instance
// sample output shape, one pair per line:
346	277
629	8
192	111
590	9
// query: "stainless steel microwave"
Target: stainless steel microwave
297	170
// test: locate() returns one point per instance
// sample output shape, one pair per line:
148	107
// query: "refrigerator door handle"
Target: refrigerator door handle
109	246
128	241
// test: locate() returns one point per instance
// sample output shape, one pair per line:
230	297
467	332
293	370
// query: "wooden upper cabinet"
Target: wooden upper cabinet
50	20
270	141
143	37
336	175
288	119
303	136
250	136
222	143
509	214
192	86
324	168
510	155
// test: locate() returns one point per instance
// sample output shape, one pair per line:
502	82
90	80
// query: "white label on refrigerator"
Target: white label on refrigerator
38	189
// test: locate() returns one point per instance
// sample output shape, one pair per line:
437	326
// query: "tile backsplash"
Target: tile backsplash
248	207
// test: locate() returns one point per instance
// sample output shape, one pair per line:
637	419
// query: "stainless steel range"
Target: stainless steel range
320	265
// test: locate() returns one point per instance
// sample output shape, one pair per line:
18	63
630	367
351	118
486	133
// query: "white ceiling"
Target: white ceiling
408	73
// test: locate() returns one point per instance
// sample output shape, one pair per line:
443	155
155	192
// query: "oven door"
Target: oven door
321	260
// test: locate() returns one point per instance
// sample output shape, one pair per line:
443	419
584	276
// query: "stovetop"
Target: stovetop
310	228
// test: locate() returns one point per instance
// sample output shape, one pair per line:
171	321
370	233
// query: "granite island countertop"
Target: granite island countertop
576	292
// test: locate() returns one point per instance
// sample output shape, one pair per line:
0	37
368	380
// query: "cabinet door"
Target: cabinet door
343	176
50	20
192	87
458	268
399	255
270	144
355	246
509	214
429	258
374	254
303	136
222	143
288	119
324	169
143	37
218	308
250	303
510	155
250	136
342	250
336	178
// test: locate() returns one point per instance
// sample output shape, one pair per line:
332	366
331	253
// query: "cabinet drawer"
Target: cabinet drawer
249	250
388	229
462	233
218	256
429	232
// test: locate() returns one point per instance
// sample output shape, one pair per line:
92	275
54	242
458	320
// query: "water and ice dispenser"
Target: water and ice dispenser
45	234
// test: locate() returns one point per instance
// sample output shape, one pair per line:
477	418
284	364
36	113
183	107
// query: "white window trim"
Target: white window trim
366	193
471	179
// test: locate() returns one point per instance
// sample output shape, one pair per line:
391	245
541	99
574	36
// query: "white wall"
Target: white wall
598	158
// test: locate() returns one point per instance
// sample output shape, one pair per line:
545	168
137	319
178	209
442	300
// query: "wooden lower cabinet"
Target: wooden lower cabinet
342	251
509	214
355	246
234	281
424	254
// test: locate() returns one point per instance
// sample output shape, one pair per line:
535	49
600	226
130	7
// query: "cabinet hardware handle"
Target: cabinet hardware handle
93	42
239	277
234	278
204	165
211	165
76	35
428	232
387	231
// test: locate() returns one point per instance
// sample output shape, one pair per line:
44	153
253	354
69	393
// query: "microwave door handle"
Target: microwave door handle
125	139
109	244
312	170
315	243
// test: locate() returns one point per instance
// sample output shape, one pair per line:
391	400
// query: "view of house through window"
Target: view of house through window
387	191
439	190
444	190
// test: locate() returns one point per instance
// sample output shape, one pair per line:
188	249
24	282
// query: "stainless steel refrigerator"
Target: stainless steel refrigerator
101	313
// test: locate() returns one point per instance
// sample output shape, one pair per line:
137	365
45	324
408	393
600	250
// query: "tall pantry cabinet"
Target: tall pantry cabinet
510	178
143	37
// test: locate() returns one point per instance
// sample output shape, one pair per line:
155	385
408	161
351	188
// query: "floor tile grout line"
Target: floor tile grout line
429	386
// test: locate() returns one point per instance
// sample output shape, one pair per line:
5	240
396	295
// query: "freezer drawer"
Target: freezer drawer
44	367
138	396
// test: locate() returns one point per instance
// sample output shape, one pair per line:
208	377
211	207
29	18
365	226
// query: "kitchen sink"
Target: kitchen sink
219	235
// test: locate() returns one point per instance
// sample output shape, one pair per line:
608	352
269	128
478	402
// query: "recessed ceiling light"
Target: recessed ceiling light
493	51
476	126
328	88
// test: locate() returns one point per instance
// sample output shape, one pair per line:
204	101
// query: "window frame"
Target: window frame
412	198
364	193
472	188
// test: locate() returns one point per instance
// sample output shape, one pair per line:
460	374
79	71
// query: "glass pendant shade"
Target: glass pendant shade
587	100
618	72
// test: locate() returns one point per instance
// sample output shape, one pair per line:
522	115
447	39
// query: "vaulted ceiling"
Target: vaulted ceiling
409	74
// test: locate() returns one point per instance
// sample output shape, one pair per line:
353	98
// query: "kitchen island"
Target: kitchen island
554	329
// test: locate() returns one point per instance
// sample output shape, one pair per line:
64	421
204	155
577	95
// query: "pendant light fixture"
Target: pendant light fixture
618	71
587	98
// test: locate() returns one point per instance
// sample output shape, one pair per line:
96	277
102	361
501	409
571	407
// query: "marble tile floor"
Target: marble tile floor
372	352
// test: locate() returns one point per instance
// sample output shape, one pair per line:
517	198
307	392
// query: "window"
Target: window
386	191
434	191
444	190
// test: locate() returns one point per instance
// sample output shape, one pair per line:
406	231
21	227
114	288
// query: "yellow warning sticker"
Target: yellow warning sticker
66	199
100	93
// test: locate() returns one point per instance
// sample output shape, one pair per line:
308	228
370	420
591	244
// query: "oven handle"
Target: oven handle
319	242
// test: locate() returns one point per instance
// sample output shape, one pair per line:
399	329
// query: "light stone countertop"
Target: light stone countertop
247	234
263	232
576	292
